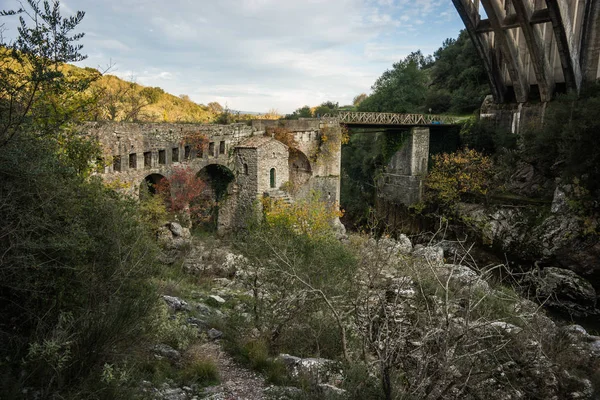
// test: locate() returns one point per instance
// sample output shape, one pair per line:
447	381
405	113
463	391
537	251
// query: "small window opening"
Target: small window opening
175	154
117	163
132	161
211	149
147	159
222	147
273	178
162	157
188	151
245	169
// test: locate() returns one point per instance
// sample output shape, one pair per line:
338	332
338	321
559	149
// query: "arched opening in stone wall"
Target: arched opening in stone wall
300	170
148	187
273	178
218	179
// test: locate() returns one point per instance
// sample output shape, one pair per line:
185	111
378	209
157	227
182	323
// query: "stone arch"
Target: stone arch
300	169
148	185
219	180
218	177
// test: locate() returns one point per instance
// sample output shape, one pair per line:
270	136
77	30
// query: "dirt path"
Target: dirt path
237	383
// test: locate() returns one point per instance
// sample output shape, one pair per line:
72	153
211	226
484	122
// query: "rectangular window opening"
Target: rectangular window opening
162	157
211	149
175	154
117	163
147	159
188	151
222	147
132	161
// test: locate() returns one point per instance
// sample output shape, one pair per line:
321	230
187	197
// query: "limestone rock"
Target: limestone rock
404	244
431	254
165	351
560	200
317	370
215	300
463	275
217	260
506	327
331	392
214	334
339	229
176	304
565	290
175	228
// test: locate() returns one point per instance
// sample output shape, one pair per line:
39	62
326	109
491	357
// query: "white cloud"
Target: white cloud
261	54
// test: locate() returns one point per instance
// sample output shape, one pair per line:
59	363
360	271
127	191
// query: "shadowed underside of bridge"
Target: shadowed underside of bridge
534	44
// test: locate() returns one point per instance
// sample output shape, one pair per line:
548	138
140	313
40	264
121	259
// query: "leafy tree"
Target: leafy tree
184	192
459	82
402	89
122	101
74	288
215	107
298	271
37	93
302	112
359	99
567	145
327	107
152	94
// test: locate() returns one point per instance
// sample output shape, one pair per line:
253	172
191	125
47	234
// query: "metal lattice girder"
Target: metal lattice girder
373	118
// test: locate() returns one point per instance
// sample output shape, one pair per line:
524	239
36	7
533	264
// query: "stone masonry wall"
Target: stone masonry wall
158	148
402	183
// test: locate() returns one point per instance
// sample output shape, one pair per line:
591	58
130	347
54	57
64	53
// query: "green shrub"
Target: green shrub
173	330
200	372
74	273
455	176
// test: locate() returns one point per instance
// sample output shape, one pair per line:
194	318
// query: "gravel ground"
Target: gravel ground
237	383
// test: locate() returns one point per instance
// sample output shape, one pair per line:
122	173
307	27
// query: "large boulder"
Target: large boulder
564	290
316	370
433	255
213	260
176	304
462	275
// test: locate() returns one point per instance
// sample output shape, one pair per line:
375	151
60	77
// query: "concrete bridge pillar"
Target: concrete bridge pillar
402	182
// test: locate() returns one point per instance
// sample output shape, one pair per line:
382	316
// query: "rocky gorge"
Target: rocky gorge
417	322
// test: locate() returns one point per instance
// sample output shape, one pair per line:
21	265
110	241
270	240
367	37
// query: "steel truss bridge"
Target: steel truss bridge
374	118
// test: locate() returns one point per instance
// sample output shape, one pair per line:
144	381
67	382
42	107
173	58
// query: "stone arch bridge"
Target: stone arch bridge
136	153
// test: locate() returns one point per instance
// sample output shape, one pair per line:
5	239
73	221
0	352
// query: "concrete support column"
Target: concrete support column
590	41
402	182
544	73
567	42
496	14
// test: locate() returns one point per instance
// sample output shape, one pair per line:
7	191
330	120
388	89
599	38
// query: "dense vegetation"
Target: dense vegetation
75	293
453	80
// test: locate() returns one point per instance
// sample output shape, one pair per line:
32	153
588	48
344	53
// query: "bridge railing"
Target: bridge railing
374	118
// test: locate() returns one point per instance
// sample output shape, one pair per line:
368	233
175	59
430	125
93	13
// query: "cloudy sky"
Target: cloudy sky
255	55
